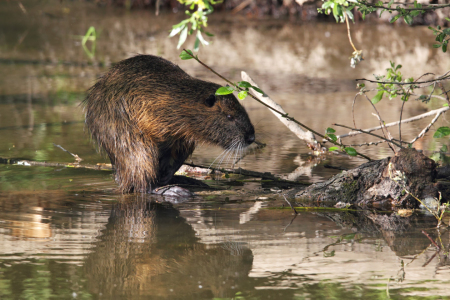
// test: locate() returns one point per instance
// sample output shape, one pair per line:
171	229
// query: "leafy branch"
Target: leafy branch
442	36
197	21
244	86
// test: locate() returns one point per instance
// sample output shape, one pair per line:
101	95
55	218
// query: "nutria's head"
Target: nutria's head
225	122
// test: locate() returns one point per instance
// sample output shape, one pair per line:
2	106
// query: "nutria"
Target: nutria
149	115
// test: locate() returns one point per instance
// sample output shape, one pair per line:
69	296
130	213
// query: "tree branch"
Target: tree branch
427	114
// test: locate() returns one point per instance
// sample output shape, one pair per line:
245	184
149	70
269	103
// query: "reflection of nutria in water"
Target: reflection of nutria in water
149	115
148	250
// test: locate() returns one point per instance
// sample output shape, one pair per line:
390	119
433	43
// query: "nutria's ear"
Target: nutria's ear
210	101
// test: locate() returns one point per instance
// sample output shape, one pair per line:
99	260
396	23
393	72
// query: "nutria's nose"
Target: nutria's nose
250	138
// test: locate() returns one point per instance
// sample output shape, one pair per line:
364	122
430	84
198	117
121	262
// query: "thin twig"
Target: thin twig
348	33
424	115
369	133
425	130
367	144
77	158
353	109
384	129
240	171
428	7
443	77
400	123
444	92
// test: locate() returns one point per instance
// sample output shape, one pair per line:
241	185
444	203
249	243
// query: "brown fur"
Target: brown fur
149	115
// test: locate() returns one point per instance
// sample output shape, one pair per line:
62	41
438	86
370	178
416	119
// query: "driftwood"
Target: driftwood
371	185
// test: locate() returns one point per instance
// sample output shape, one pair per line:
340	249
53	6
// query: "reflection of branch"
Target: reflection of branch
295	216
431	258
293	208
432	241
427	114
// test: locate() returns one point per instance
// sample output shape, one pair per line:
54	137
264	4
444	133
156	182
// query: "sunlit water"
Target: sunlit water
66	234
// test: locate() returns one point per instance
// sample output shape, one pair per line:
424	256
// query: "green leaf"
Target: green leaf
445	104
436	46
336	12
443	149
408	19
444	48
224	90
442	132
395	18
333	137
257	89
196	44
330	130
377	97
333	148
244	84
350	151
183	36
185	54
242	95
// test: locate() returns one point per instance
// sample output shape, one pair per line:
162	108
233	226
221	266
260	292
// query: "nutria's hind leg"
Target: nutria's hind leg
170	160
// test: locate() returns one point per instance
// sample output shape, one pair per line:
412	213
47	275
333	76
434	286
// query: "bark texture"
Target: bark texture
370	185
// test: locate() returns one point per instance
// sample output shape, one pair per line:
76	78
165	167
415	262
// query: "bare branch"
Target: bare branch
427	114
369	133
307	136
425	130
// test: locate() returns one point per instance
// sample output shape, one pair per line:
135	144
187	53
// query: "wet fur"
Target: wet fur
149	115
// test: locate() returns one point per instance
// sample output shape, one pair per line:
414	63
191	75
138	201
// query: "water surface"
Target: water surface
66	234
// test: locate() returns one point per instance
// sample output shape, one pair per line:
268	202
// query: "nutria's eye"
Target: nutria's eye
230	117
210	100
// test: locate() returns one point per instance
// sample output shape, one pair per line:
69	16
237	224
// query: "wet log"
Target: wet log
371	185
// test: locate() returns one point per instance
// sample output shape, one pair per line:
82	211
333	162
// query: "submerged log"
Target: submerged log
371	185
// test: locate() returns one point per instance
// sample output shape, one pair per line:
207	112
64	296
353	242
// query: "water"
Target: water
66	234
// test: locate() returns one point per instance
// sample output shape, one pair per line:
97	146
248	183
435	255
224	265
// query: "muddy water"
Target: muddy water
66	234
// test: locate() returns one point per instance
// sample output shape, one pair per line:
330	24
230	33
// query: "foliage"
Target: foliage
442	36
91	35
389	84
242	87
329	133
197	21
442	132
341	9
440	156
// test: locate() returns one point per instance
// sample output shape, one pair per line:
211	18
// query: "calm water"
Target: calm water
66	234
